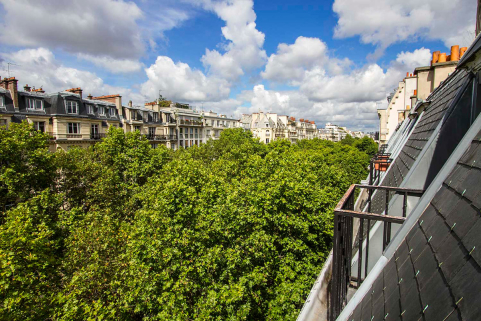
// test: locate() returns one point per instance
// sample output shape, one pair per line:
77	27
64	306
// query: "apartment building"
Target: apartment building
414	87
74	120
270	126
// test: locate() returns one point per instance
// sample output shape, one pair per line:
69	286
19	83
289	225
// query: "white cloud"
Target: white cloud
39	68
116	66
95	27
291	61
384	22
179	82
243	50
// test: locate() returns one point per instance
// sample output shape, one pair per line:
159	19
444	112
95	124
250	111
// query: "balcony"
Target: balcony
347	238
191	122
97	136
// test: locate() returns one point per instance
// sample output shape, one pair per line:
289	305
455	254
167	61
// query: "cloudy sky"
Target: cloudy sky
328	61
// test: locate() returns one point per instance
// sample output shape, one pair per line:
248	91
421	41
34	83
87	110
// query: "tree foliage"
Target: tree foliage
232	230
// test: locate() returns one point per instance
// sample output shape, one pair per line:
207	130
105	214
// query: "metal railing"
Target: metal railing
344	235
97	136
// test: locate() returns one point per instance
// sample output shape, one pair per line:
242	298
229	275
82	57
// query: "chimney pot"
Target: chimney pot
455	53
462	51
407	74
415	92
130	103
26	88
442	57
436	56
90	96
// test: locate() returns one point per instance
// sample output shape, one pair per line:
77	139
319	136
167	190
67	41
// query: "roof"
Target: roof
440	101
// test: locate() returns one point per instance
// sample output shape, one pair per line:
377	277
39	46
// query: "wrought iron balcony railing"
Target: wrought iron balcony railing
345	234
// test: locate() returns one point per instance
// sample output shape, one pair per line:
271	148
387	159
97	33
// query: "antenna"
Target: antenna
8	67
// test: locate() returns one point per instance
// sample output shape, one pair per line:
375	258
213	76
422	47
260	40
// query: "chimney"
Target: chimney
436	56
39	90
90	97
415	92
462	51
407	74
26	88
442	57
455	53
11	85
77	91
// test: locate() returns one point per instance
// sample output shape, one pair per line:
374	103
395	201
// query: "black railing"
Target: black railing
161	137
344	235
97	136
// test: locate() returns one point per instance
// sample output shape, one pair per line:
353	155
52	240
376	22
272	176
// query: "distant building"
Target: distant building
270	126
337	133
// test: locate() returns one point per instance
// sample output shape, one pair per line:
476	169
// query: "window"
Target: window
74	128
154	146
90	109
133	115
156	117
217	123
167	118
267	140
72	107
40	126
101	111
137	128
94	129
2	102
35	104
191	131
112	112
181	130
151	131
146	116
208	132
196	132
267	132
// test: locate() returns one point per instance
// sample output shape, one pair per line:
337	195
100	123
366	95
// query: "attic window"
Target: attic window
72	107
90	109
101	110
2	102
267	125
35	104
112	112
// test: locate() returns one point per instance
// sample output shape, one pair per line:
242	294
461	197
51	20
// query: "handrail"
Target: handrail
344	215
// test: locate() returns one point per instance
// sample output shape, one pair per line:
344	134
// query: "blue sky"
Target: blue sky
328	61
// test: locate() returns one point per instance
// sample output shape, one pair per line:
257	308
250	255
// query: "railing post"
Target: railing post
359	261
386	212
405	204
335	298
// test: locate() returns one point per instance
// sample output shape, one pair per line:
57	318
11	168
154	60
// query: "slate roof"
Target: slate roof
439	103
435	274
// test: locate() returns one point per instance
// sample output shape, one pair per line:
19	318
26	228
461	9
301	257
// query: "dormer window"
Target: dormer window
133	115
102	111
35	104
112	112
2	102
156	117
90	109
72	107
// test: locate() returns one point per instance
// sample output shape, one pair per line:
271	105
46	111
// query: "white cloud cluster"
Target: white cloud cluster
290	62
384	22
95	27
39	68
243	50
180	82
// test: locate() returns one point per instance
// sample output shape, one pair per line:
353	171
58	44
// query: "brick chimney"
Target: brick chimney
130	103
26	88
11	85
77	91
39	90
